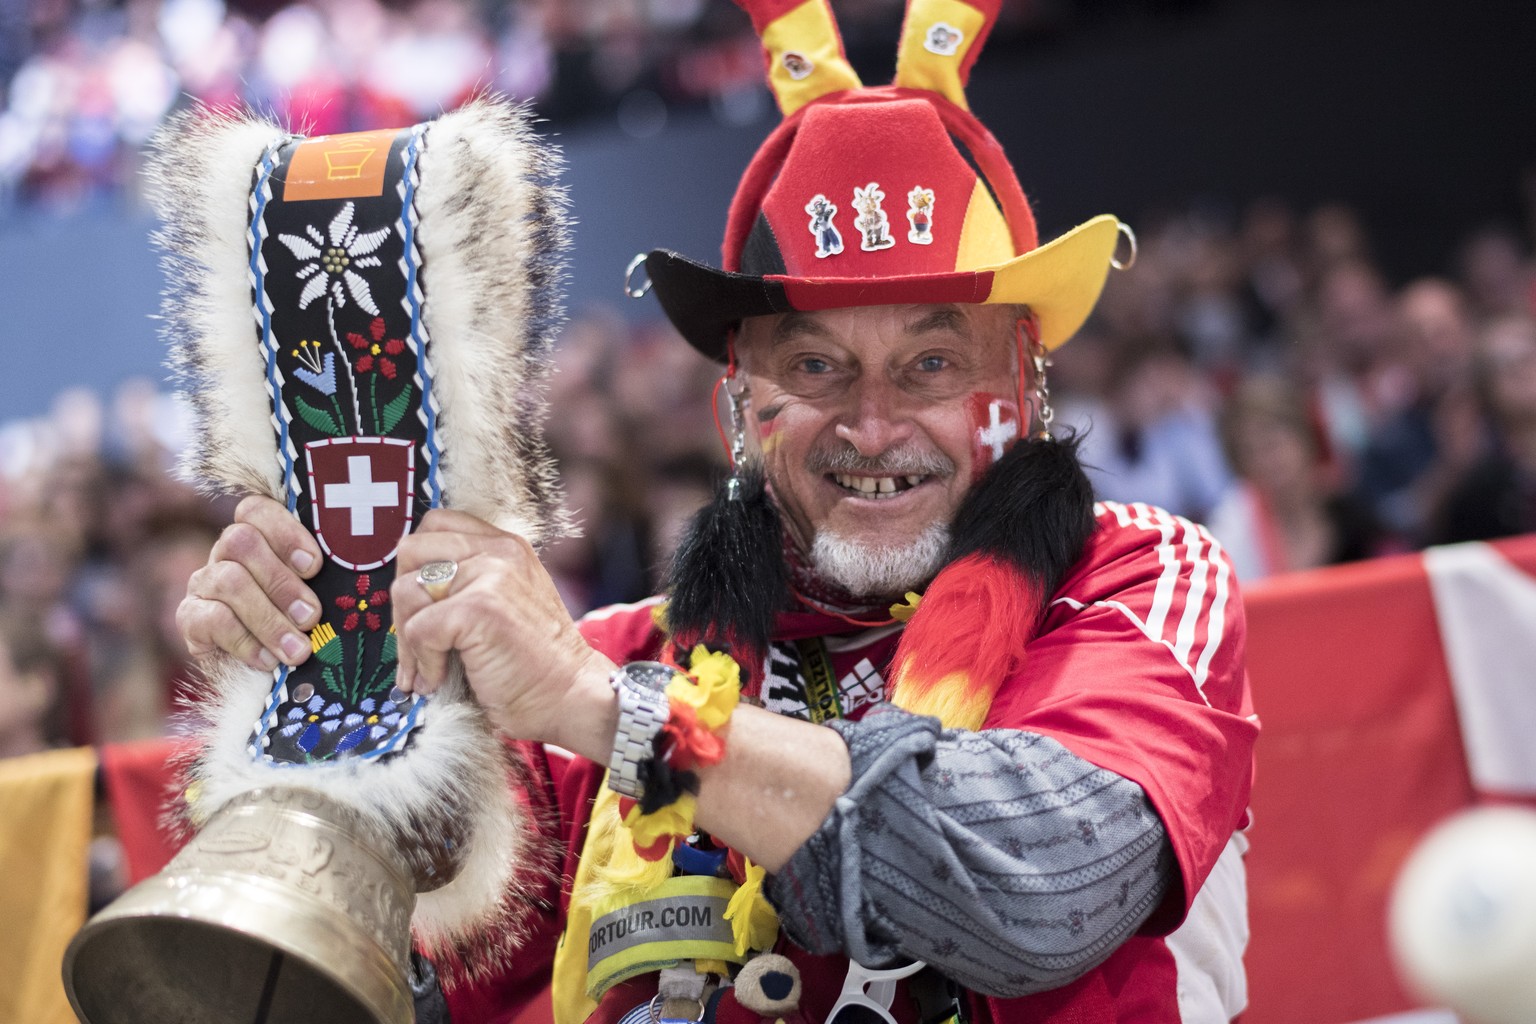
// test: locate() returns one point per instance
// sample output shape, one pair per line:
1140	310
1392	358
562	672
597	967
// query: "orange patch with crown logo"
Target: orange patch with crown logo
339	166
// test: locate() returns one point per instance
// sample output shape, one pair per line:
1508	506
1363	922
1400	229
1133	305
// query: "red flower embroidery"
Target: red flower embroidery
365	599
375	348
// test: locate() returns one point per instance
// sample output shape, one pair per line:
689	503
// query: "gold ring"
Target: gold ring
436	577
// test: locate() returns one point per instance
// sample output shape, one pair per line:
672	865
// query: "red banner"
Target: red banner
1362	751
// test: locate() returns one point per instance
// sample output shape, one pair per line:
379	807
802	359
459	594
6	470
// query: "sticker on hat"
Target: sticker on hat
943	39
798	65
829	241
920	215
873	222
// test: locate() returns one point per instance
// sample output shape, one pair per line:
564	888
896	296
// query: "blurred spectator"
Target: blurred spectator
1497	274
1273	280
637	451
1334	236
96	544
1153	438
1346	333
141	667
32	709
1496	497
1284	512
1429	431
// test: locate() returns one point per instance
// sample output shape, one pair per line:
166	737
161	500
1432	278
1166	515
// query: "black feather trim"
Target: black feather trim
729	579
1032	510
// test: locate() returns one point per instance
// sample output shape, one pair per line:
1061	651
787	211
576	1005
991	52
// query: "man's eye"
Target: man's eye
932	364
813	365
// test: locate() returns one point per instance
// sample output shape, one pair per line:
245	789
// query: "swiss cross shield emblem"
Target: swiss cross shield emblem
360	492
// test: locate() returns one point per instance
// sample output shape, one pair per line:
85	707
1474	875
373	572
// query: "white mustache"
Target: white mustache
896	462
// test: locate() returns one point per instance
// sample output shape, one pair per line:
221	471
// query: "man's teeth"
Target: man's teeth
877	484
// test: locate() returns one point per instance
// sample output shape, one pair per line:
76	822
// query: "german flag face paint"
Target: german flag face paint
767	427
995	426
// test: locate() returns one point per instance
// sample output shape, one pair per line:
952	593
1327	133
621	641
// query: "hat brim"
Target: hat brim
1060	281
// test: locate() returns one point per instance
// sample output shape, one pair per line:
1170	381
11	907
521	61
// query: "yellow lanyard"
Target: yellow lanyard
822	699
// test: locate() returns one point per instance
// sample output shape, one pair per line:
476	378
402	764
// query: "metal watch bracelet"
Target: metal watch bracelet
643	710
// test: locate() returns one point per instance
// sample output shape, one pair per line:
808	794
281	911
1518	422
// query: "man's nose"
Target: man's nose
878	418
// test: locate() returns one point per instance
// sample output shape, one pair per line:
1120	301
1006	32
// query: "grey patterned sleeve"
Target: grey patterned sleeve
1000	857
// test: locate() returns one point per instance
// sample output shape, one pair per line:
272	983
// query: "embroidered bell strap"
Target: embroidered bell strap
335	269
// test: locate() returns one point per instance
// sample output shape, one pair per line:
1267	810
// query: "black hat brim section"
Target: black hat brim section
704	303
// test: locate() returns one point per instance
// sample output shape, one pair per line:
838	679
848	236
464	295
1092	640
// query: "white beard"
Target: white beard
865	570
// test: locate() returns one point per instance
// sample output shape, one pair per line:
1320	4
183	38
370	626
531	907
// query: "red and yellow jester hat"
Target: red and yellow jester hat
864	197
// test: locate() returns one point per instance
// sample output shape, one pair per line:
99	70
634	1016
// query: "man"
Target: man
1024	853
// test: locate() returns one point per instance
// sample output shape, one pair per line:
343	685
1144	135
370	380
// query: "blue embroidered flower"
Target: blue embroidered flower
315	719
375	721
317	373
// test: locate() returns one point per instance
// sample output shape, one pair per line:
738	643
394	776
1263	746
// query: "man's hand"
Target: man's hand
250	599
530	668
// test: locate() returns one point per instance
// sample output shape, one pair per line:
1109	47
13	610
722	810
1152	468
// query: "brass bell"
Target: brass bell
284	909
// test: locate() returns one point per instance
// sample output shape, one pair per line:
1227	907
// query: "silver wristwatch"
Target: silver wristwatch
643	709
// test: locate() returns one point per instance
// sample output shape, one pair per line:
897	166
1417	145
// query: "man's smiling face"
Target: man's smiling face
867	420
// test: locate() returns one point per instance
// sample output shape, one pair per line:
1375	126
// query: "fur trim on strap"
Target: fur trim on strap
200	182
494	235
1014	539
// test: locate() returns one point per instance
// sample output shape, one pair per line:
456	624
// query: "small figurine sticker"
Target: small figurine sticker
872	220
943	39
828	241
797	64
920	215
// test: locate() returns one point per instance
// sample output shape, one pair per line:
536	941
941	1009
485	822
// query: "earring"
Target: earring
738	440
1044	414
735	445
1027	337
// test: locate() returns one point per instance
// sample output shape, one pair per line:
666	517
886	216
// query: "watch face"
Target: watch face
652	675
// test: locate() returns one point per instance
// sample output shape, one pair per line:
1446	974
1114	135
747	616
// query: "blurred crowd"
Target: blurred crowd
83	83
1257	373
1262	375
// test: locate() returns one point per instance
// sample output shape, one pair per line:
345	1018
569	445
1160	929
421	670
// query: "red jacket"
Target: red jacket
1138	669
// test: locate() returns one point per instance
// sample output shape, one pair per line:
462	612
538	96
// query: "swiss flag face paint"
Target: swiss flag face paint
994	427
